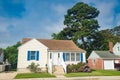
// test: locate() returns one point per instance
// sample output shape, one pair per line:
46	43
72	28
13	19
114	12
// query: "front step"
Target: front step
58	70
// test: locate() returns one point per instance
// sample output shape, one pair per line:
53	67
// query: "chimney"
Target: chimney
111	47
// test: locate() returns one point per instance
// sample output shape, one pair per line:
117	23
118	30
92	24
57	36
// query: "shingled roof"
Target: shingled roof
66	45
106	55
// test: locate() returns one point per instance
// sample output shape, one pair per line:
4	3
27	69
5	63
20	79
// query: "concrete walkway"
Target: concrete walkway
7	75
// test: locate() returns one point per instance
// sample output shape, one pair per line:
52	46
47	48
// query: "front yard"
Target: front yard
33	75
95	73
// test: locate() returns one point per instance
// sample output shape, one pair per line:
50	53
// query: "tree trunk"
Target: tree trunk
84	44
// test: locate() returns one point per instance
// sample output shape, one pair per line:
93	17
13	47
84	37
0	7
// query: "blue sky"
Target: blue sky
41	18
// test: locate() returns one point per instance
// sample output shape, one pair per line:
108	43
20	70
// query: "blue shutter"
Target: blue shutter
37	56
64	56
28	55
81	57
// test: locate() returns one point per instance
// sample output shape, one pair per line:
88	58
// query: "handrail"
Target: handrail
63	64
50	66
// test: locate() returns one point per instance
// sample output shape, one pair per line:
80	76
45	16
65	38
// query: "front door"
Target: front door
56	59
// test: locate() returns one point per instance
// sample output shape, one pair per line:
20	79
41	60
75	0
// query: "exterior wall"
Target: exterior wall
116	49
97	64
35	46
1	58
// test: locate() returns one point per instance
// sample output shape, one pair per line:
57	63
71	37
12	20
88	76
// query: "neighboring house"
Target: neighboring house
1	56
51	55
116	49
103	60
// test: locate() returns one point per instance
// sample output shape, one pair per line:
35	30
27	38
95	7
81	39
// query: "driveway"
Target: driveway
7	75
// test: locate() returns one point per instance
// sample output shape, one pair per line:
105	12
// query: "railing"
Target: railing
50	67
63	64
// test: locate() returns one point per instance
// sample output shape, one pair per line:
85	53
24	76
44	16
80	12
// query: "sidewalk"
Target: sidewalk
77	78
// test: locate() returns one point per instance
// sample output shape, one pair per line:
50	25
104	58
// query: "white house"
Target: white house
51	55
116	49
1	56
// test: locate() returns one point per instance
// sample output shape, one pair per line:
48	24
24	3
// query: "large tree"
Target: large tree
81	25
11	53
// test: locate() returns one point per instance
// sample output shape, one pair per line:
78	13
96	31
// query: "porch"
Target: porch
58	61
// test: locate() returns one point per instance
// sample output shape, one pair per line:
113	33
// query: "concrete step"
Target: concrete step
58	70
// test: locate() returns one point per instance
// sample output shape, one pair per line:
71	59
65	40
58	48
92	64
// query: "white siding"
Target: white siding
116	49
93	55
108	64
32	45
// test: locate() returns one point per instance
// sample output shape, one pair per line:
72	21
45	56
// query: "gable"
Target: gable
116	49
33	43
93	55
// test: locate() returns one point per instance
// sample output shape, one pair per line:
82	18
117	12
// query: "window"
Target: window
50	55
58	55
33	55
94	61
77	57
67	56
72	57
118	48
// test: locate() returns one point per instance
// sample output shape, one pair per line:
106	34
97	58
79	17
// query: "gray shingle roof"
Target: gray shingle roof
106	55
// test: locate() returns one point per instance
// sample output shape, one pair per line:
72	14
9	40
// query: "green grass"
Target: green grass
33	75
95	73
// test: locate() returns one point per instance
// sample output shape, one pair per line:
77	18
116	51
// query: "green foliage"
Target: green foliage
82	26
34	67
33	75
76	67
11	53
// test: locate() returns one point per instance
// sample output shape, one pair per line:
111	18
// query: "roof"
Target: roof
66	45
106	55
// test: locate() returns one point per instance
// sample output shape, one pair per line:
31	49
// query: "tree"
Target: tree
11	53
81	24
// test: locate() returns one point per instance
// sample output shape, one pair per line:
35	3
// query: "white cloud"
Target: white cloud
59	8
106	16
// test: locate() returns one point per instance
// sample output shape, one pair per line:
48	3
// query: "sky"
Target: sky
40	18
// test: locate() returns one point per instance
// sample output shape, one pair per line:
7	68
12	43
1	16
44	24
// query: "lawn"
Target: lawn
33	75
95	73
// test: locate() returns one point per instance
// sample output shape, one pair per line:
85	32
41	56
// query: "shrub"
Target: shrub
80	67
34	67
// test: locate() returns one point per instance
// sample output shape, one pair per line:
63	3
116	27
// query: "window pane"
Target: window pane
72	57
77	57
67	56
50	55
32	55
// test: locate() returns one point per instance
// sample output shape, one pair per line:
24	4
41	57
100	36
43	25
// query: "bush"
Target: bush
80	67
34	68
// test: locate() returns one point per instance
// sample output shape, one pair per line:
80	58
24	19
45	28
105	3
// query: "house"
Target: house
116	49
51	55
1	56
105	59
